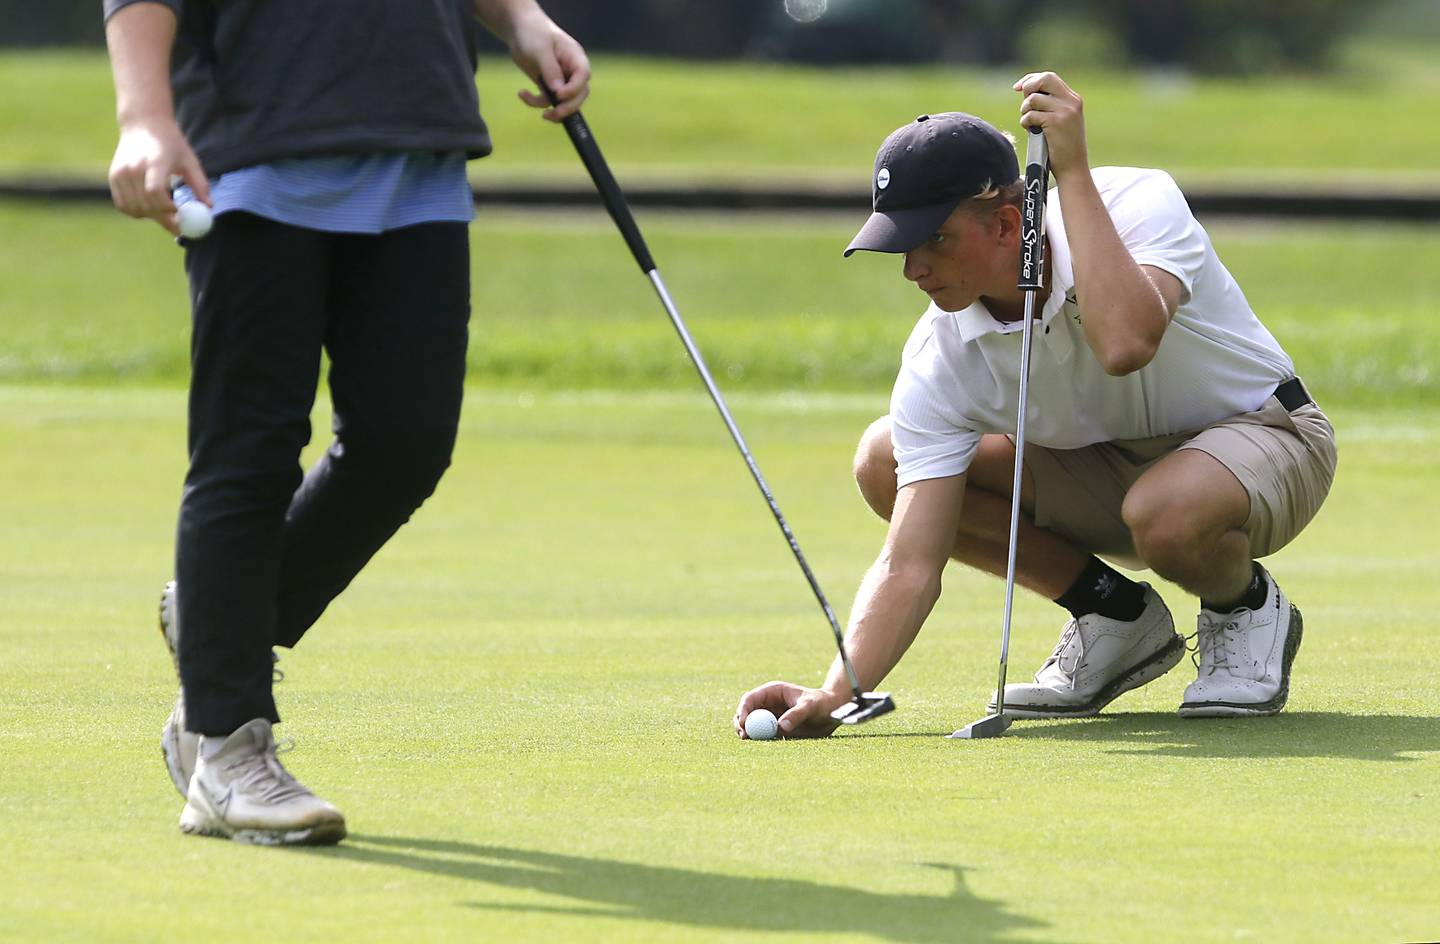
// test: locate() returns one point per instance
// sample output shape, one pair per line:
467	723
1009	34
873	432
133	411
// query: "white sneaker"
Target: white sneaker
177	743
1244	659
1096	661
242	792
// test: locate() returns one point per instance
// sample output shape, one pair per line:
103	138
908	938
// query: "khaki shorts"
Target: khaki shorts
1285	461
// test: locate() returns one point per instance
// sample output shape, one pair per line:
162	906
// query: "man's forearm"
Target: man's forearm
890	608
140	38
1125	315
501	16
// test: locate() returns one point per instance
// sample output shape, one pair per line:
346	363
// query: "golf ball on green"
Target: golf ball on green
194	219
760	725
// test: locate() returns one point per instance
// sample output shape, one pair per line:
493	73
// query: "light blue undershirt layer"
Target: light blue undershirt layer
348	193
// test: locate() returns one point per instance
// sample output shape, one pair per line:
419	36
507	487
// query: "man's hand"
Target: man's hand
803	712
545	52
151	148
147	156
1051	104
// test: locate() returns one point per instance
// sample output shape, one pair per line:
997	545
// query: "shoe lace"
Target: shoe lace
1071	633
1216	639
262	775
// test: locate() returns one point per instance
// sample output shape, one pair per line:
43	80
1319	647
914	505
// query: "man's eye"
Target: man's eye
937	237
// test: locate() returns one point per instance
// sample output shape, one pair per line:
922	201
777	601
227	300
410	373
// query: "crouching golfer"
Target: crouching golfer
1167	429
331	140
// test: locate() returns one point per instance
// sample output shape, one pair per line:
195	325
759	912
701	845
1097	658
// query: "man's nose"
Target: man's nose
914	268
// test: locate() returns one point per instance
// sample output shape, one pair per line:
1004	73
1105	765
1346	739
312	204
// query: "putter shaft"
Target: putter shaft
866	705
1032	270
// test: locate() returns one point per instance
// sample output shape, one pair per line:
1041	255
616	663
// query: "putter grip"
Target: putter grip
1032	226
610	191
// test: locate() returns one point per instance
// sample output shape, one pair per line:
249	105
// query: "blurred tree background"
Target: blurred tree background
1236	37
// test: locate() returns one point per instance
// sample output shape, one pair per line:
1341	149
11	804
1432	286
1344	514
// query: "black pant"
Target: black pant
262	551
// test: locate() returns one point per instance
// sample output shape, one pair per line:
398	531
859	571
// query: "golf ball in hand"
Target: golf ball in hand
760	725
194	219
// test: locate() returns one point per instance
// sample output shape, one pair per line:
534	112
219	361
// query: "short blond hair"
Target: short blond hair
991	197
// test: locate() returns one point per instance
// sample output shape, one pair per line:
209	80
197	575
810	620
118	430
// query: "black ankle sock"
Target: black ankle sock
1252	599
1102	589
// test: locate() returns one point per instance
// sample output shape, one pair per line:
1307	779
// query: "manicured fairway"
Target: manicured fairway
524	707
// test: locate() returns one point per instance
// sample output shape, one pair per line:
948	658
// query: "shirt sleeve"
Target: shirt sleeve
930	442
112	7
1156	225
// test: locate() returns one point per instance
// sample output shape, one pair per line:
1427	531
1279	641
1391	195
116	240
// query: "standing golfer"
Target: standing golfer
332	145
1166	430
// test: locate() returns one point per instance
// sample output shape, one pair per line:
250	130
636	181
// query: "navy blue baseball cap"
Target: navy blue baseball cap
922	173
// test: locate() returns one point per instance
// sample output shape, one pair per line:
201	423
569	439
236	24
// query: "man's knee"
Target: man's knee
1171	535
875	468
408	459
1184	512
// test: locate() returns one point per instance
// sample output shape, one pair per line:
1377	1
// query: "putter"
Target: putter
865	705
1032	279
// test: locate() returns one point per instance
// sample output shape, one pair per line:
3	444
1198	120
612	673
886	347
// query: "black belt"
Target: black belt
1293	395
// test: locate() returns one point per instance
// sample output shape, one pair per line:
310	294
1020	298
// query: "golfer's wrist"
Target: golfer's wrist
1075	173
833	695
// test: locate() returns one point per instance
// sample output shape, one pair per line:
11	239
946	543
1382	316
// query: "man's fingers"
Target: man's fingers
776	696
1041	82
1031	82
536	100
797	716
194	177
575	87
552	77
125	190
772	695
169	223
1039	101
569	106
577	71
157	199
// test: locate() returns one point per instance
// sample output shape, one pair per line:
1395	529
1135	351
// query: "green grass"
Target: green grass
87	295
523	706
660	118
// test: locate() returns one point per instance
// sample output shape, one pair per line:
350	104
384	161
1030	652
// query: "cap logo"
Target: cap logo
882	179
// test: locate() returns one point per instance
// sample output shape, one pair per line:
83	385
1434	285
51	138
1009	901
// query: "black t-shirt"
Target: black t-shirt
260	80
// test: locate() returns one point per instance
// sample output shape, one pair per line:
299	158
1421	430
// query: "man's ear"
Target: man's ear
1006	222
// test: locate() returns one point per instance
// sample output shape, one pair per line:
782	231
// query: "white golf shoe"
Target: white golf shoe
242	792
176	743
1243	659
1096	661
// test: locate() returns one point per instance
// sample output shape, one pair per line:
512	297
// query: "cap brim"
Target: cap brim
900	230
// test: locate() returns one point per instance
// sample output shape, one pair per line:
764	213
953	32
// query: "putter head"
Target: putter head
987	727
863	707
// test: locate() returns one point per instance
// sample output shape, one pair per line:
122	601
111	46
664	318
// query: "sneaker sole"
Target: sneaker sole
1233	709
195	822
1162	661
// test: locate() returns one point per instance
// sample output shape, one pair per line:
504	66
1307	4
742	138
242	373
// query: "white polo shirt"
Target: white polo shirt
960	374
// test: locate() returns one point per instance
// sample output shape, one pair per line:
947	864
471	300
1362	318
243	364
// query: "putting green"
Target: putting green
523	706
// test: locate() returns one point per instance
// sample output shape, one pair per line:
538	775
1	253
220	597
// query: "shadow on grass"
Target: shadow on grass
1293	734
605	888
